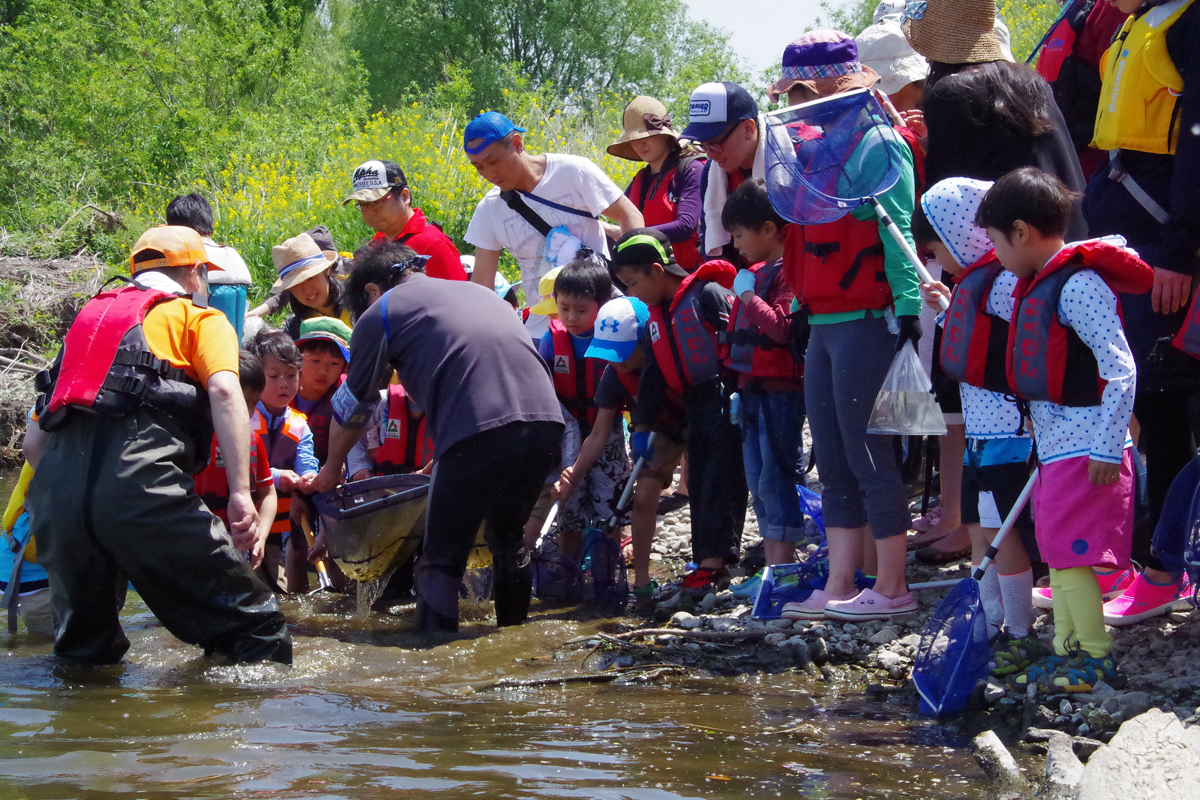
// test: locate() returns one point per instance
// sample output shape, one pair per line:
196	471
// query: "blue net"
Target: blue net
953	654
788	583
826	158
604	569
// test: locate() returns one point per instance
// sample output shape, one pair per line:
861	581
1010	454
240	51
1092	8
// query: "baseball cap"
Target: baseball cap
618	329
328	328
180	247
373	179
647	246
489	128
545	304
713	106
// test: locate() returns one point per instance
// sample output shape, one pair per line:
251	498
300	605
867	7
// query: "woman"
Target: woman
667	189
307	275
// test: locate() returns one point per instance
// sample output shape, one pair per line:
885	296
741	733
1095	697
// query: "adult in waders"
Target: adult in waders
1150	193
126	415
463	356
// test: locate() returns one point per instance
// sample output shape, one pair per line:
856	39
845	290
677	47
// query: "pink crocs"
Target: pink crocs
811	608
870	604
1144	600
1111	585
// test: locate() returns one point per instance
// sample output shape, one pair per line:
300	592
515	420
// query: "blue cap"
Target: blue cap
489	127
618	329
713	107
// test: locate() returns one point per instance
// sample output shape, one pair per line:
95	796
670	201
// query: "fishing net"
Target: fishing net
788	583
826	158
556	577
953	654
606	579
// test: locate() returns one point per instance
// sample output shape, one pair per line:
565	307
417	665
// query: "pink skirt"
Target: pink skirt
1081	525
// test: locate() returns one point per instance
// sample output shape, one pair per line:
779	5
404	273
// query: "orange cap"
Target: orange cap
180	246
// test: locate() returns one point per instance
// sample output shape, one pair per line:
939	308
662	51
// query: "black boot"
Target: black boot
429	619
513	589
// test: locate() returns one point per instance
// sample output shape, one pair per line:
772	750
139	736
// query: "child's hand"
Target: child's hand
288	481
427	469
306	483
563	486
1101	473
932	291
915	121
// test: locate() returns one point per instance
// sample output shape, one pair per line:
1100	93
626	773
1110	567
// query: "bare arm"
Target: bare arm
266	515
589	453
340	441
232	426
486	264
623	212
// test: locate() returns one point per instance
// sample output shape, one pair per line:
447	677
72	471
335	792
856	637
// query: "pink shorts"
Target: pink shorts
1081	525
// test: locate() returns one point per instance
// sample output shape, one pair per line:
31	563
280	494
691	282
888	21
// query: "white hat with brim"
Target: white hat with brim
297	260
884	48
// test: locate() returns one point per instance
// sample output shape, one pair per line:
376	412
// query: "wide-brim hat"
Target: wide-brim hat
825	62
644	117
883	47
297	260
953	31
546	304
180	247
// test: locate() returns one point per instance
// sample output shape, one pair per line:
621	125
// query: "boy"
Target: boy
770	380
30	598
973	354
324	346
395	441
580	289
289	443
686	312
213	486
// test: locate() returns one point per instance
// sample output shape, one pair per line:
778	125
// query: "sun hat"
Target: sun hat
489	128
545	304
180	247
618	329
888	9
953	31
644	117
297	260
328	328
647	246
825	61
324	239
713	107
883	48
373	179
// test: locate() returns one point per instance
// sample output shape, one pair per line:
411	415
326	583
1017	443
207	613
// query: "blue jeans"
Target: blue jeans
771	425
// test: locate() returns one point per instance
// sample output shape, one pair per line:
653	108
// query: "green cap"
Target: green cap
330	328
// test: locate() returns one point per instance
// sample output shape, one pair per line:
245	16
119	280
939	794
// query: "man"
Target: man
125	422
463	356
537	202
385	202
231	279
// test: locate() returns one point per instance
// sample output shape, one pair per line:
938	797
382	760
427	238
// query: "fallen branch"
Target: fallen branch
712	636
113	219
598	677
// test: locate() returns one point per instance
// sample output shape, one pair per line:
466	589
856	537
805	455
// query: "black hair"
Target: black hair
1037	198
511	298
922	231
1009	97
276	344
374	264
191	211
337	297
326	346
750	208
586	276
250	372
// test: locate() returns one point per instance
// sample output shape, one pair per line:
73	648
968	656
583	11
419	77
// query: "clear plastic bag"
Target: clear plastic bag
905	405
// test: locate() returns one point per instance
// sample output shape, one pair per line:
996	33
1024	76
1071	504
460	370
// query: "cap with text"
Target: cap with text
374	179
714	107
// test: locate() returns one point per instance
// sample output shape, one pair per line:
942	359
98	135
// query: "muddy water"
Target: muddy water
372	710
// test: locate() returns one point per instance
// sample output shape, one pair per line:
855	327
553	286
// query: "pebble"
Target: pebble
775	639
779	624
1065	708
850	627
686	621
723	623
708	603
884	636
912	640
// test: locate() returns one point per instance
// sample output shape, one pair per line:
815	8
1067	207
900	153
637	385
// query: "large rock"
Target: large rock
1127	705
998	764
1152	757
1063	769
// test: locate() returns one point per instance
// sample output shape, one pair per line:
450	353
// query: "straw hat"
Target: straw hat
644	117
826	62
953	31
297	260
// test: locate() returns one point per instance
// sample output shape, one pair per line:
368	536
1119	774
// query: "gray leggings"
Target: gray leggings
843	370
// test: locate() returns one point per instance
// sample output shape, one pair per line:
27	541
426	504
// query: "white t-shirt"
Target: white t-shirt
571	181
233	269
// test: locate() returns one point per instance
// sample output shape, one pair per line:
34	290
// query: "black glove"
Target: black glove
910	330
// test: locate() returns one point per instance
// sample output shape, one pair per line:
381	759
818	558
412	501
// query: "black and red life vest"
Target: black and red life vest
106	368
575	379
282	441
1046	359
750	350
319	418
974	342
657	197
213	483
670	417
684	343
404	445
837	266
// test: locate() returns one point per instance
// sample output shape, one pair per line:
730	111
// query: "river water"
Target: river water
371	710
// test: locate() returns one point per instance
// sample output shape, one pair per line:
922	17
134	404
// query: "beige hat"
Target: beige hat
953	31
297	260
883	48
644	117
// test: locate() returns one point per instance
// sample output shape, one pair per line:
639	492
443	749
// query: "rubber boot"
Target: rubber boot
430	620
513	590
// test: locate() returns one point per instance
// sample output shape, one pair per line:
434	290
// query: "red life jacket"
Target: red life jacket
1046	359
575	383
404	446
281	442
837	266
670	416
918	154
974	342
106	367
657	197
684	343
750	350
319	419
213	483
1188	337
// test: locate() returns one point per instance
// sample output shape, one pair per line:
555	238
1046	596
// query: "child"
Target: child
973	354
770	380
212	484
289	447
30	598
620	326
324	346
1069	359
686	312
580	289
395	441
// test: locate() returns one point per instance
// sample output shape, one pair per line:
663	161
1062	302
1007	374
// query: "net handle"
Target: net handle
1009	522
914	259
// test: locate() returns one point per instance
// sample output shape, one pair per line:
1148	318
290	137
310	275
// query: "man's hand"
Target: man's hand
427	469
318	550
1171	290
1101	473
910	330
329	477
243	525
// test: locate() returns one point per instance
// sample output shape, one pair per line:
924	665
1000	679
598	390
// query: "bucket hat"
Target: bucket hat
297	260
180	247
644	117
826	62
883	48
953	31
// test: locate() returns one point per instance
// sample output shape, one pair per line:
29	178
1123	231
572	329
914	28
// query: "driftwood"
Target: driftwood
641	674
711	636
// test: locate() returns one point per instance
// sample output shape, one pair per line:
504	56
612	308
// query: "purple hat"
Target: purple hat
826	62
486	129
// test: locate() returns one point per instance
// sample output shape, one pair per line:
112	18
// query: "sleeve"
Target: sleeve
1000	298
481	230
260	470
610	392
360	457
596	189
700	226
214	345
572	438
277	301
687	210
771	318
306	456
898	203
546	349
358	395
652	387
375	424
444	261
1181	234
715	305
1089	306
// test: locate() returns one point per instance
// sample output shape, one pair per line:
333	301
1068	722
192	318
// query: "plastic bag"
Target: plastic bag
905	405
